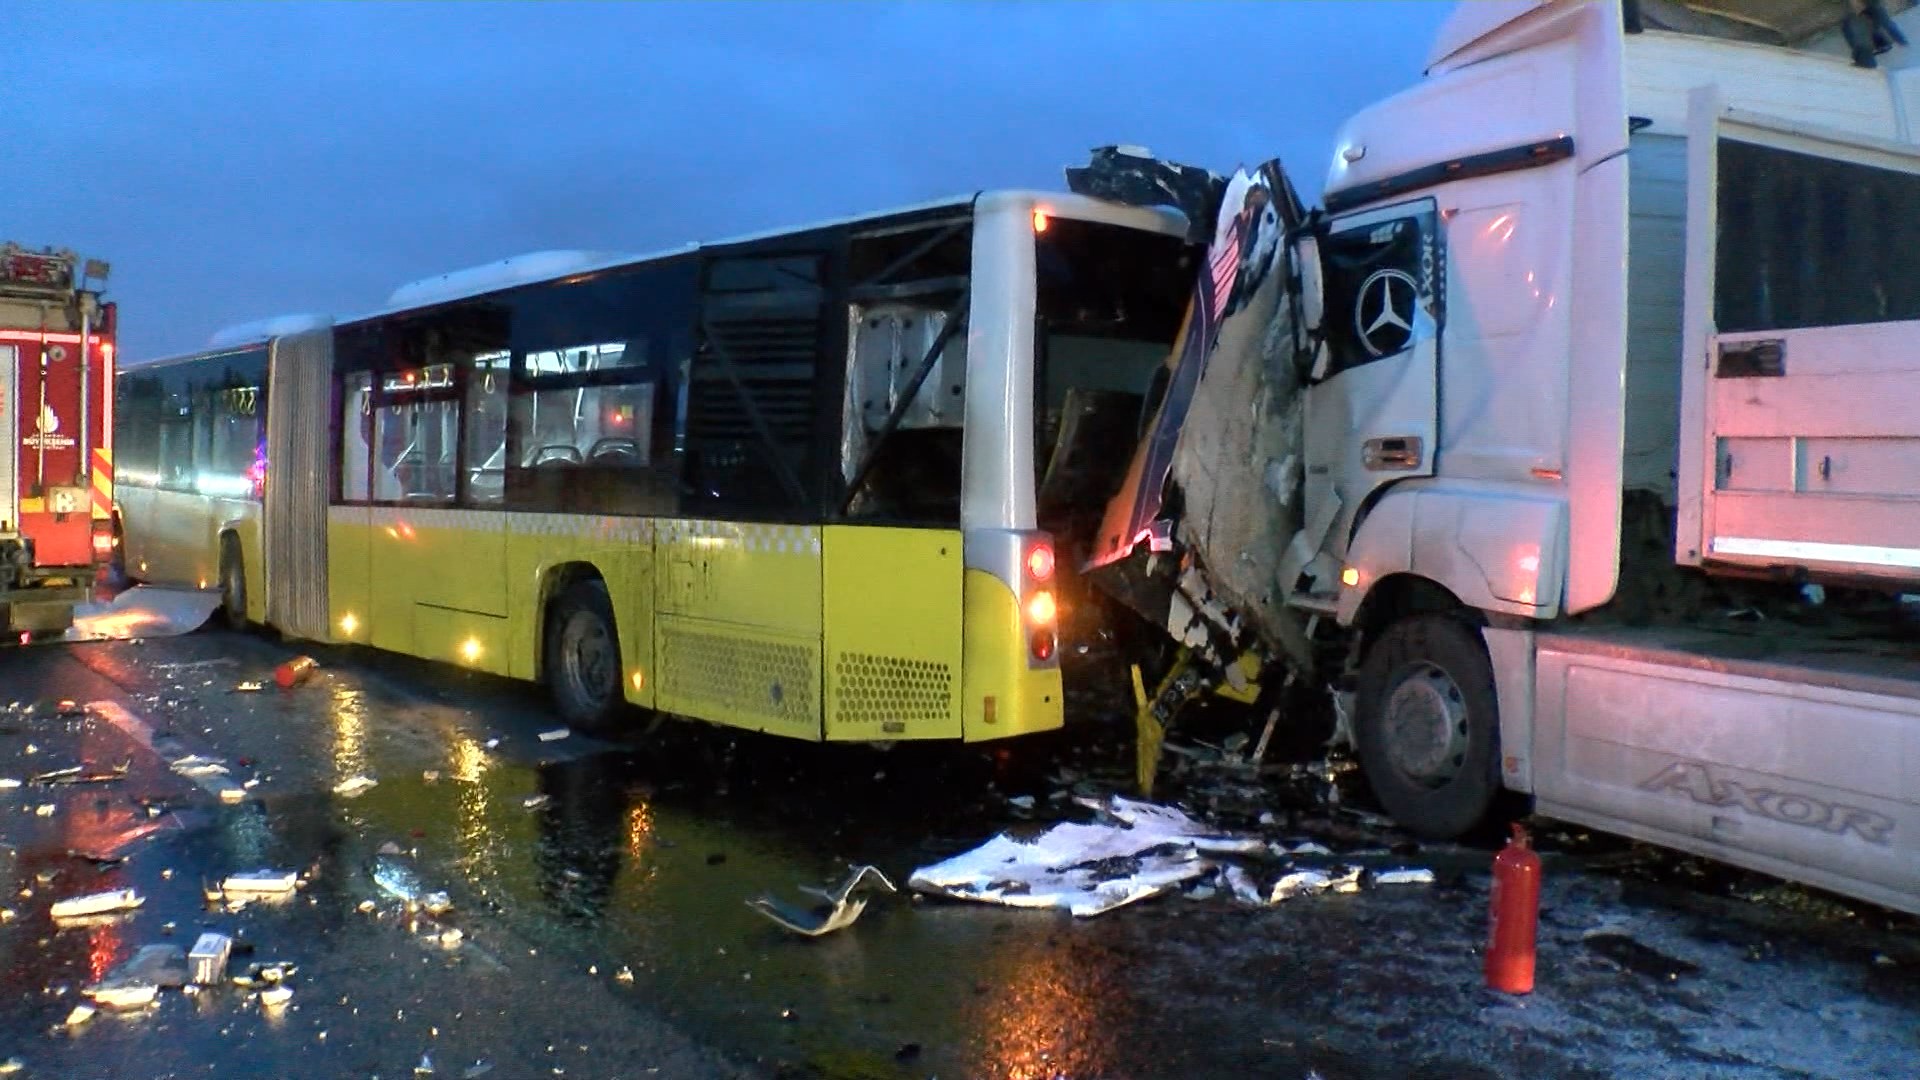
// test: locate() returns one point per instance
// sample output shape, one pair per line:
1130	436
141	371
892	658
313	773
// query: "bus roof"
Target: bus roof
546	266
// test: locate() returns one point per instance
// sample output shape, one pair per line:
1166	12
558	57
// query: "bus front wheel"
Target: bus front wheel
1428	725
583	656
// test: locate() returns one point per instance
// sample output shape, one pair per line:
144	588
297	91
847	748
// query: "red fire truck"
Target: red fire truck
56	458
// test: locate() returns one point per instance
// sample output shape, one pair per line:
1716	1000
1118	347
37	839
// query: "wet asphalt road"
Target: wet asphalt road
644	849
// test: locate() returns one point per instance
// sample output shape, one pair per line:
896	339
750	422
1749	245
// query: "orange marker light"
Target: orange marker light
1041	608
1041	221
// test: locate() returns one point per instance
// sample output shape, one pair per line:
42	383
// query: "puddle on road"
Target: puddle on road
645	861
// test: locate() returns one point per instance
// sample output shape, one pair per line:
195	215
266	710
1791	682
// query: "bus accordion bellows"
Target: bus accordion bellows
808	483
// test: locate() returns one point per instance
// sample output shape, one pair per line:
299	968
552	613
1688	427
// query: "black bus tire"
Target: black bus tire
583	666
233	584
1428	726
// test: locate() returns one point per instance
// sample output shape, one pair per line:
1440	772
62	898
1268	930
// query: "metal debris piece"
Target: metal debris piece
1242	884
260	883
398	879
275	997
535	802
1404	876
249	687
354	785
97	903
81	1014
451	937
45	809
195	765
624	975
11	1066
431	776
135	983
8	783
1299	883
477	1070
1021	802
1143	850
839	909
554	735
207	961
425	1068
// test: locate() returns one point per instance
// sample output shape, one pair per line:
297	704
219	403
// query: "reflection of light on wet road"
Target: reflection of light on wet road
475	836
1040	1019
639	829
119	624
103	945
349	719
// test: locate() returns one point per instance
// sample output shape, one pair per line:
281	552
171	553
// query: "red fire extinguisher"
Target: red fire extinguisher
294	671
1515	915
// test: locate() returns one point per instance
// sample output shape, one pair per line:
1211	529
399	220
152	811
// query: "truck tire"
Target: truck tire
1428	725
233	584
583	657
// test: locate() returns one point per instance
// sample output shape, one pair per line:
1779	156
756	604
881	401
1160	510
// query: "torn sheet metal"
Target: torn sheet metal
100	903
1141	850
838	909
144	611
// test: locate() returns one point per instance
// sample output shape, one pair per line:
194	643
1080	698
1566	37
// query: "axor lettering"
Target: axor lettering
1694	780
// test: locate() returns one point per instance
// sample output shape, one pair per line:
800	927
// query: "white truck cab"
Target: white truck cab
1595	330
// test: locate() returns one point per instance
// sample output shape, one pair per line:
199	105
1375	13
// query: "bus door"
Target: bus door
739	631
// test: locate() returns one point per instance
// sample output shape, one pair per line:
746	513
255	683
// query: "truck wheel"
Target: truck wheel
1428	725
583	656
233	584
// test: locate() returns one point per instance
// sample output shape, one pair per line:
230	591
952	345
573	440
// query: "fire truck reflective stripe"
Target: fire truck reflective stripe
36	337
1815	552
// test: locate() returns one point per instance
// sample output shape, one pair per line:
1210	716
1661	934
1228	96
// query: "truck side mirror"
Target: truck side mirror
1306	254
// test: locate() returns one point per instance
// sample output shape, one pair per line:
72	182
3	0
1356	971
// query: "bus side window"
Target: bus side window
355	426
487	428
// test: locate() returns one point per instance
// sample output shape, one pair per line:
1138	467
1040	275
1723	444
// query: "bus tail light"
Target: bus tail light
1039	607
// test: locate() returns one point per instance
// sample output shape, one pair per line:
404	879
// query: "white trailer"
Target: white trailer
1578	287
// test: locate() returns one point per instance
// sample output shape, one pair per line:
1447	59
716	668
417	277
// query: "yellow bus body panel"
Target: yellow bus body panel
738	630
893	609
1002	695
349	570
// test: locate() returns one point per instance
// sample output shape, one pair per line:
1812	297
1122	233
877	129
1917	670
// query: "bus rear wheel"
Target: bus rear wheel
233	585
1428	726
583	656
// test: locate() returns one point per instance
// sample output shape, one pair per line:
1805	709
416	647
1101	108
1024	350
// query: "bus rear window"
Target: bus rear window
1109	307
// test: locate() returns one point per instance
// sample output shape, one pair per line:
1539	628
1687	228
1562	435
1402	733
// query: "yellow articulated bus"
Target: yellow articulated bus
796	483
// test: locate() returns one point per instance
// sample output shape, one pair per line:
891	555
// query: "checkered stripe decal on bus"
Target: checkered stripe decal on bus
749	536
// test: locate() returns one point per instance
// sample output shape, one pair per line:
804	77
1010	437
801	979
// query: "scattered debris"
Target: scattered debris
1021	802
354	785
11	1065
399	880
477	1070
249	687
431	776
136	982
45	809
275	997
1299	883
260	883
8	783
451	937
555	735
839	910
1403	876
81	1014
231	795
97	903
624	975
1241	882
535	802
208	959
195	765
1142	851
78	774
